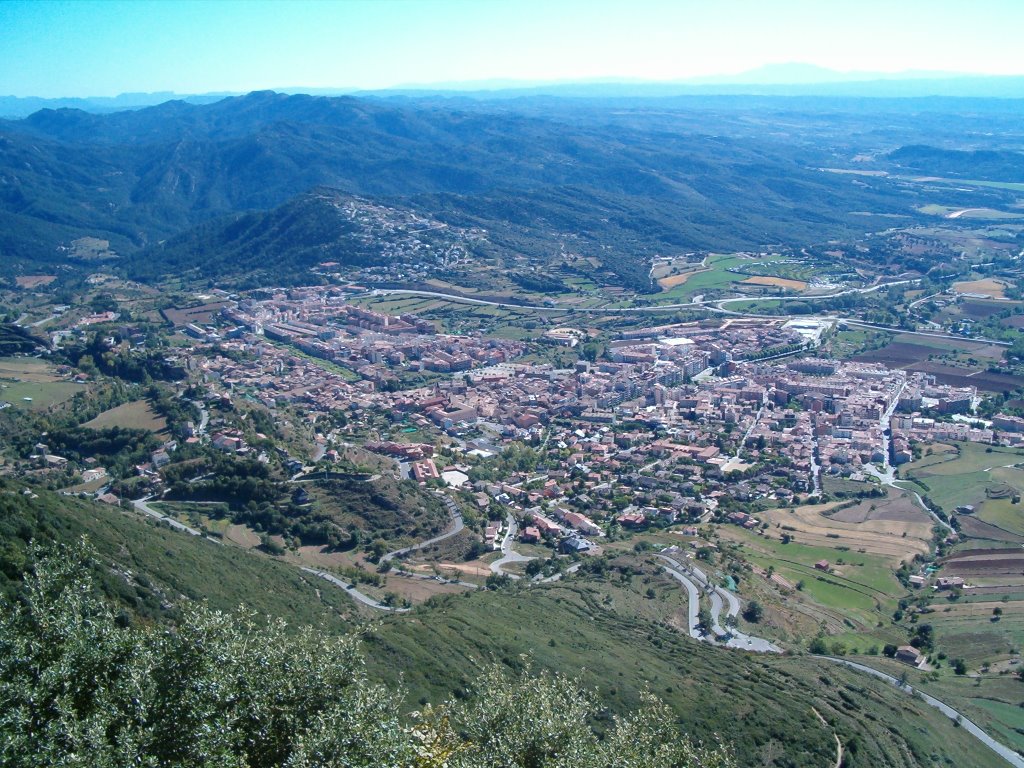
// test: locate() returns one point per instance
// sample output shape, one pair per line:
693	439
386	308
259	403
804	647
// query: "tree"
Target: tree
753	612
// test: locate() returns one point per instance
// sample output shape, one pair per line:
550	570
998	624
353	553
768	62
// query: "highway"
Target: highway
711	305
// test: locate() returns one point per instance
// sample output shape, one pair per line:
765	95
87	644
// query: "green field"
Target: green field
42	394
952	480
713	278
970	213
166	566
855	602
1011	185
990	700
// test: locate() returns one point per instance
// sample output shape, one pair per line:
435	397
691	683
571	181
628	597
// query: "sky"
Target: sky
88	48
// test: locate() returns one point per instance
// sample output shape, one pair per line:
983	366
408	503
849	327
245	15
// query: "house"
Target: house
90	475
581	523
631	519
574	545
491	534
424	470
822	565
917	581
908	654
530	535
228	443
949	582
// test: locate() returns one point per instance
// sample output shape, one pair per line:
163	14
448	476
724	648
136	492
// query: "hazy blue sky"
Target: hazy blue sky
87	48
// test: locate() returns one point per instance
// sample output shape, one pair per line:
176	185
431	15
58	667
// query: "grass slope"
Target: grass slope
761	705
153	567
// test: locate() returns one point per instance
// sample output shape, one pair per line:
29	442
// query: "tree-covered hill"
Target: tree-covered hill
138	178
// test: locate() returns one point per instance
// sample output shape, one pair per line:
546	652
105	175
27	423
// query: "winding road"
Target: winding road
457	525
690	577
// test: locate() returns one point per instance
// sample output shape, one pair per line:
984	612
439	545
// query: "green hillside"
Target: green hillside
764	706
599	632
152	567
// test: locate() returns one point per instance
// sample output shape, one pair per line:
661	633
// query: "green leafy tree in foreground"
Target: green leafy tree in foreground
82	686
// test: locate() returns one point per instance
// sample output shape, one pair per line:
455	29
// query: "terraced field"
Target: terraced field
893	527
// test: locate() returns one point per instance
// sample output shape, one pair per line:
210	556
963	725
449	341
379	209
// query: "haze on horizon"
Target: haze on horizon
89	48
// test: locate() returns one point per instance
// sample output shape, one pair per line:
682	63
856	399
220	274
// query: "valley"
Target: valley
634	394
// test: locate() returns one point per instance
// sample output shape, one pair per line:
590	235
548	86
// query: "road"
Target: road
712	305
888	473
747	434
509	555
693	607
355	593
1003	751
457	525
143	507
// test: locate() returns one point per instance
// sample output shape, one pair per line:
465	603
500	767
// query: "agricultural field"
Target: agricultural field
670	282
893	527
28	282
32	384
993	289
982	309
852	602
973	474
951	361
200	314
778	282
716	276
138	414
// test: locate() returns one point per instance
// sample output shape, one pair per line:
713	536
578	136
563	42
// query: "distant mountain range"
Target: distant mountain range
790	79
223	190
619	193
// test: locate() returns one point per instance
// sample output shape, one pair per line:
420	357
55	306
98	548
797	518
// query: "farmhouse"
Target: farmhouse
908	654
